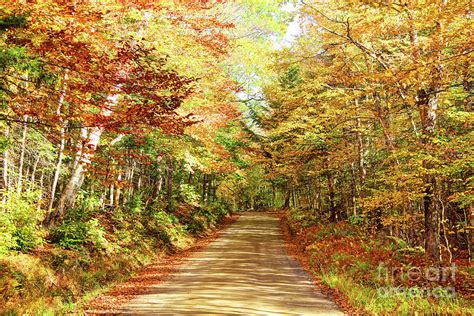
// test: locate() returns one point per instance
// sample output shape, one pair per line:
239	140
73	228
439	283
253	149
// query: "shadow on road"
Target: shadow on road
245	272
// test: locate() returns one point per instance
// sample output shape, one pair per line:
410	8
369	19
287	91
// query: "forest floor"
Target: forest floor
374	274
246	270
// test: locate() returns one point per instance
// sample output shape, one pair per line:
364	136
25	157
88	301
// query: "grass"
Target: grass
374	301
58	279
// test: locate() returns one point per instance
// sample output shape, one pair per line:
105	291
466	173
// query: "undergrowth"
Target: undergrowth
380	275
91	249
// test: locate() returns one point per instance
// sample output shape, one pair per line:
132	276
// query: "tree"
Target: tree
106	77
373	102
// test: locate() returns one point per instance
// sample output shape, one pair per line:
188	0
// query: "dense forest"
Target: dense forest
131	128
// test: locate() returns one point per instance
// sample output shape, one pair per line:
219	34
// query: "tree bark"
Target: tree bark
33	172
209	189
470	218
428	104
331	194
204	187
5	162
286	204
111	195
22	154
83	159
62	143
428	107
360	153
169	182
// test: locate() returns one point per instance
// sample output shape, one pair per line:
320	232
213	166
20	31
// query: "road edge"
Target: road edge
297	252
111	301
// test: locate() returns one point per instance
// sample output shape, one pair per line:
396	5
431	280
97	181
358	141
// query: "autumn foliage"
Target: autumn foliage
130	121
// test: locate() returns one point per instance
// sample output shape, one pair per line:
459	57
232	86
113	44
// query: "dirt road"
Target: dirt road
245	272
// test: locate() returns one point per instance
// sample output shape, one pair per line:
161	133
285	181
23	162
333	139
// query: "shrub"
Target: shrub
88	203
189	194
166	227
356	219
135	204
96	235
19	220
76	234
203	218
304	217
70	234
7	240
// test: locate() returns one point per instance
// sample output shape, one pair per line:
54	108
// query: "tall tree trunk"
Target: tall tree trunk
33	172
383	116
62	143
273	201
428	105
427	100
38	205
332	195
169	182
159	185
118	191
317	199
361	154
355	191
470	219
129	178
209	189
286	204
333	216
84	159
6	155
431	220
204	187
22	154
111	195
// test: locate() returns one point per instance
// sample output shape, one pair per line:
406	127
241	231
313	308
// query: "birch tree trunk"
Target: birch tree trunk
33	173
84	158
5	161
169	182
62	143
22	155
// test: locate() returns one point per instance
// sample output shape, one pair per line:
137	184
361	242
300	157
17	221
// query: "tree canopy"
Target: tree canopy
364	117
